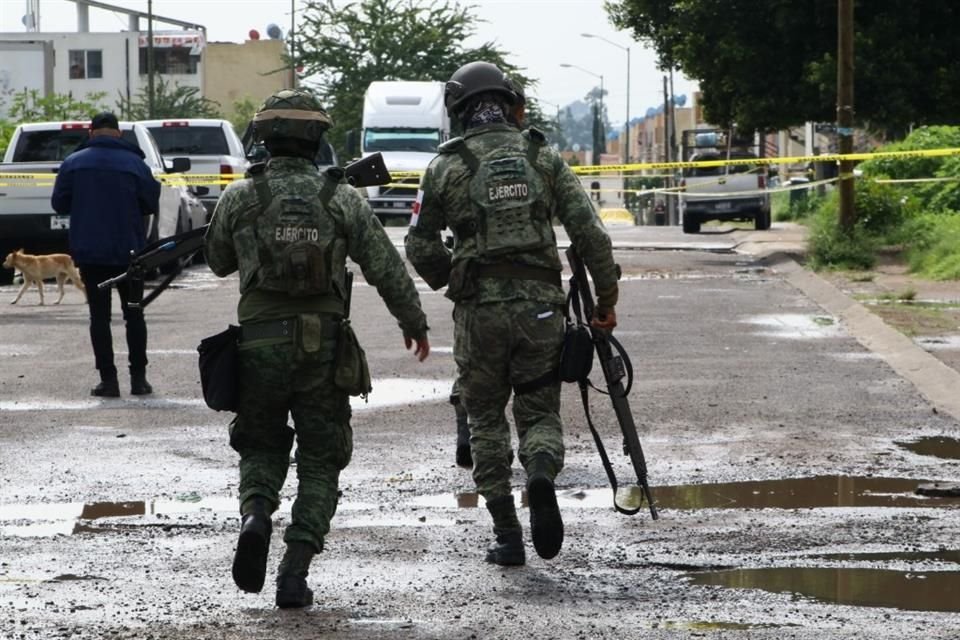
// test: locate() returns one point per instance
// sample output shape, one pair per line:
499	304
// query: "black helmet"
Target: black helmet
291	113
474	78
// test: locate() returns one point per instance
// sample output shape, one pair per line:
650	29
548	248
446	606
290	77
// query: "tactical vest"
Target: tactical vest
290	244
508	198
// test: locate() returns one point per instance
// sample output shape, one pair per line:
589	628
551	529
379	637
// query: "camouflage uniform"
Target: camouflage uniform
283	375
508	329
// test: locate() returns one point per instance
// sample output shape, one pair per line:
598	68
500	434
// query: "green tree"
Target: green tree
773	64
242	115
169	101
348	46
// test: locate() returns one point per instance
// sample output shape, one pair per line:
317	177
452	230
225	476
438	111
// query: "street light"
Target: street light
626	155
595	75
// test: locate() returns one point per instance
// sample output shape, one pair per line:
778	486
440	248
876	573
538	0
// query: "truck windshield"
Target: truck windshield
426	140
52	145
702	172
191	141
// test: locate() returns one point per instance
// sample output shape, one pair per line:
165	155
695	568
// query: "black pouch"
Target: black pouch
463	282
351	373
576	358
219	364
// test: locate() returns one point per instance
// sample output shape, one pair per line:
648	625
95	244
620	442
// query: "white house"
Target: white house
82	63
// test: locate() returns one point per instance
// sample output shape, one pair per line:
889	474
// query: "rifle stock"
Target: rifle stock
615	367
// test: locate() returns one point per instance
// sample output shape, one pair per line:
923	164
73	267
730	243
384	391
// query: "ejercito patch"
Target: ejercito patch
518	190
289	233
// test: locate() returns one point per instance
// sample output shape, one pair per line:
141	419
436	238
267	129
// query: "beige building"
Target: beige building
252	71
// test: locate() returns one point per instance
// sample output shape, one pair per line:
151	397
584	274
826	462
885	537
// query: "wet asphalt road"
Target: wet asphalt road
772	433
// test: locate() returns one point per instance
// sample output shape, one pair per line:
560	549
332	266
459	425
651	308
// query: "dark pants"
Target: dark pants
99	301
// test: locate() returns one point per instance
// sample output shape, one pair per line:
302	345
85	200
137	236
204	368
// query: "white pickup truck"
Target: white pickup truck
212	145
726	192
27	219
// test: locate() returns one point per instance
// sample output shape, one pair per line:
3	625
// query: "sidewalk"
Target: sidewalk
911	322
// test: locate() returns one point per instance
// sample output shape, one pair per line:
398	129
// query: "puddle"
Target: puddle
942	555
938	343
68	518
387	392
790	493
795	326
909	590
936	446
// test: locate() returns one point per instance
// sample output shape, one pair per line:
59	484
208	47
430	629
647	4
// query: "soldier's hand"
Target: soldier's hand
423	347
604	318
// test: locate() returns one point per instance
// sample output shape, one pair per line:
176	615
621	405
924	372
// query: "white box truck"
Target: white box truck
406	122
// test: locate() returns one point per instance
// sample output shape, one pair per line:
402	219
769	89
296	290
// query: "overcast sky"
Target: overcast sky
540	35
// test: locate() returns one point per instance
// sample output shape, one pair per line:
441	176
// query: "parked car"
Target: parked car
212	145
28	221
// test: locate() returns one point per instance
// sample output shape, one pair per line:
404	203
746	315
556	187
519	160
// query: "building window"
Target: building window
172	60
85	64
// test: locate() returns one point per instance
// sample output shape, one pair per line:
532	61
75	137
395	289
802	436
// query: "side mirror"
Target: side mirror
180	165
353	143
200	191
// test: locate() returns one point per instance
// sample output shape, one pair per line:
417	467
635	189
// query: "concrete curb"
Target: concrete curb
937	382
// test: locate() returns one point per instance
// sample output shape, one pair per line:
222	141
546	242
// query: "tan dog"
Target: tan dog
36	269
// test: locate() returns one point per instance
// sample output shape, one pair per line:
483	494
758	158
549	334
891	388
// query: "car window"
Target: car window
191	140
51	145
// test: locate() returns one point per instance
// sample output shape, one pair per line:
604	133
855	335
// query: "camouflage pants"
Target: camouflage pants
497	346
277	380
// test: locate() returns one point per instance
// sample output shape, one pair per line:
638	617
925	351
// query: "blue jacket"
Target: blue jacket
106	189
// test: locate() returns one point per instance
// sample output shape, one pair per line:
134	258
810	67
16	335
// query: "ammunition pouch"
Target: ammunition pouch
462	283
219	365
351	372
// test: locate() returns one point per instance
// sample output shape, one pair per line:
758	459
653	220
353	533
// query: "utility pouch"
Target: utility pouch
576	358
305	269
463	282
309	332
219	365
351	373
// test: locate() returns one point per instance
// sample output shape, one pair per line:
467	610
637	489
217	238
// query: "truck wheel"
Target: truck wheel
691	224
758	219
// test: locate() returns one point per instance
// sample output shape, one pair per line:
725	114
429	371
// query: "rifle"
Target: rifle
615	367
365	172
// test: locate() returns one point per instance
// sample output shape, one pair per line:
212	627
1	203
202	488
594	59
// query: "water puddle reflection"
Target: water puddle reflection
936	446
789	493
795	326
387	392
909	590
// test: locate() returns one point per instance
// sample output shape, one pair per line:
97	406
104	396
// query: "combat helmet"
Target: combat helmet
474	78
291	113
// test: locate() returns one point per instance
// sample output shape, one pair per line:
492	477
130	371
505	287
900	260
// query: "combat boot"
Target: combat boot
292	589
106	388
250	560
139	385
546	526
464	457
508	549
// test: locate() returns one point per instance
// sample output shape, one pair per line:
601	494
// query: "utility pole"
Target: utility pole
848	214
668	153
150	96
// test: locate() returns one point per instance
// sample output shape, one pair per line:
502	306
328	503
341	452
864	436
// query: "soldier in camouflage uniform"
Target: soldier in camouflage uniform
288	229
463	456
496	189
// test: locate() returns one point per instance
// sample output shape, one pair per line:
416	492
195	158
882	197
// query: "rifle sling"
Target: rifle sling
604	458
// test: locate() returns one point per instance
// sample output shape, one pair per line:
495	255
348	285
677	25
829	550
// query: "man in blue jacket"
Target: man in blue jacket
107	189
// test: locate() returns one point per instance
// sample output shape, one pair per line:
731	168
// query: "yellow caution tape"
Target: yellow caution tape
44	179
